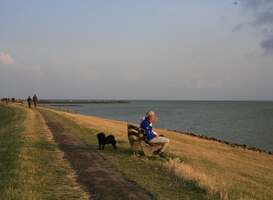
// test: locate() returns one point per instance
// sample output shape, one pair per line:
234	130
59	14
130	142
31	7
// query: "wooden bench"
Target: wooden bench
138	142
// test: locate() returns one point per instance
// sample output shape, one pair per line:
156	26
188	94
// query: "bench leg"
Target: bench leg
149	150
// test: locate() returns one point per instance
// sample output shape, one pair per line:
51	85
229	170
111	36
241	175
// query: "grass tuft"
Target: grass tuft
212	184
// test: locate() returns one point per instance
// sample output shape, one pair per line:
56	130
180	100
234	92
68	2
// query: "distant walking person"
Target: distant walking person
29	101
35	100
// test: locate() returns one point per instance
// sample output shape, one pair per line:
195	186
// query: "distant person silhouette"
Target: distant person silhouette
35	100
29	101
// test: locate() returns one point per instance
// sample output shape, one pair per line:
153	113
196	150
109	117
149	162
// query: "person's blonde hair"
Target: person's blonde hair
150	113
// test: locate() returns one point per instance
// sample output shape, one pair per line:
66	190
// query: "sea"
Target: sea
240	122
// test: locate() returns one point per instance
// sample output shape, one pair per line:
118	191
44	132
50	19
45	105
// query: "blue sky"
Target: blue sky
144	49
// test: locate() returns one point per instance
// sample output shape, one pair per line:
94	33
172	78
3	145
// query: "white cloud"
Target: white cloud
6	59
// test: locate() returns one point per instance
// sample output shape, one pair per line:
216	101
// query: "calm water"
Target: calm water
248	123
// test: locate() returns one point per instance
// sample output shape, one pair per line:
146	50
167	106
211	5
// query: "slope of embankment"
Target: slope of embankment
47	153
219	168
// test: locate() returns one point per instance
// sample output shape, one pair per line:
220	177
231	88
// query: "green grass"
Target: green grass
10	145
31	166
149	173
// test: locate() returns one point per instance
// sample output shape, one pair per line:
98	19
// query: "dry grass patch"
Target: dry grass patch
212	184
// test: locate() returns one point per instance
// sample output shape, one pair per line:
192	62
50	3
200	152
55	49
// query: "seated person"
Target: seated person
151	135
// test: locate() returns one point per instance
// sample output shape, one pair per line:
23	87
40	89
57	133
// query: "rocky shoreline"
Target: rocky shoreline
243	146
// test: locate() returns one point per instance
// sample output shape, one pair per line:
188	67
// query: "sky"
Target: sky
137	49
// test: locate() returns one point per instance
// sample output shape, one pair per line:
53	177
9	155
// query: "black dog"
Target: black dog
103	140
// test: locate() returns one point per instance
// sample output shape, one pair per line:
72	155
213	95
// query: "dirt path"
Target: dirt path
44	172
94	172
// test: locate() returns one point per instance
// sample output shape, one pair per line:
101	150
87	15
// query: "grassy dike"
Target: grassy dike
31	166
231	173
150	174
